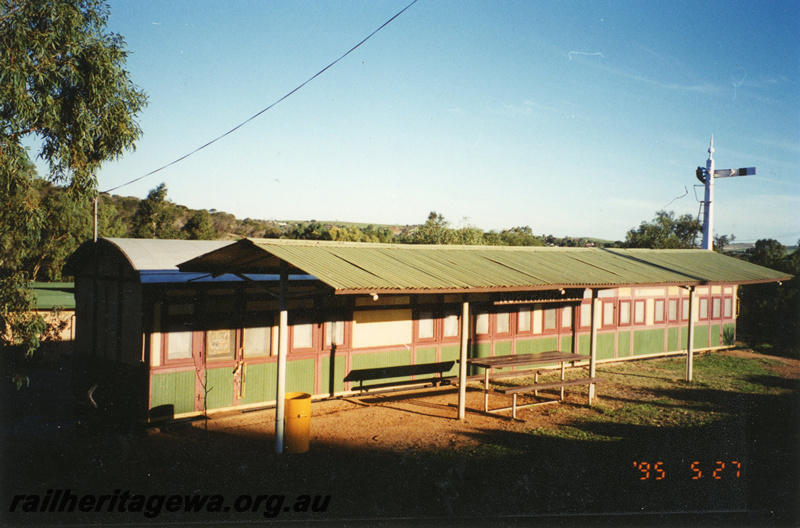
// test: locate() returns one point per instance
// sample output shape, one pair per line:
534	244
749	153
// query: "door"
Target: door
224	369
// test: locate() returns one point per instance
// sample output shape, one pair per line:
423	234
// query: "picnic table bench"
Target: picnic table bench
433	373
528	360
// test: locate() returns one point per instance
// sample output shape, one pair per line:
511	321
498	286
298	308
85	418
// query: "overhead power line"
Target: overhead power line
240	125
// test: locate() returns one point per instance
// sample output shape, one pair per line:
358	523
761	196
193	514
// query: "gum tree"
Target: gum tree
65	98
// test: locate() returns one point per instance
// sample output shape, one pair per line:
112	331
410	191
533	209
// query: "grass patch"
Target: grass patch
651	394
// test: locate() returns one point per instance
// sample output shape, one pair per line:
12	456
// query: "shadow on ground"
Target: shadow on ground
519	477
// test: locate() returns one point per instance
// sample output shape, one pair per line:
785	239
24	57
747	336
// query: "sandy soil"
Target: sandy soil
426	420
404	456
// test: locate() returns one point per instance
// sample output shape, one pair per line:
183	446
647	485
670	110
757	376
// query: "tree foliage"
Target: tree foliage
63	81
63	88
770	313
155	216
665	231
199	227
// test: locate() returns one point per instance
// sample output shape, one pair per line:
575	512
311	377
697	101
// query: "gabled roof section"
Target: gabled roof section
351	268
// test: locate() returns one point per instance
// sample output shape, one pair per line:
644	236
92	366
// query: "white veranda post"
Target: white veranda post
283	345
462	365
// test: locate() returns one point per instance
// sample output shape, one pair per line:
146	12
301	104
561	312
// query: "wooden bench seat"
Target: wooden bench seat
432	372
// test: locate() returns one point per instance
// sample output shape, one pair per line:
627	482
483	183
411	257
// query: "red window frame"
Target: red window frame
677	310
556	320
613	318
448	312
635	305
727	307
716	307
664	314
703	302
234	336
165	359
520	317
417	315
496	326
293	349
629	304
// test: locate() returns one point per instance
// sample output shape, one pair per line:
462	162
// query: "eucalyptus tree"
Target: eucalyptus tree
65	98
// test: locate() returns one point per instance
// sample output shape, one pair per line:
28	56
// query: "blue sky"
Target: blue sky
572	117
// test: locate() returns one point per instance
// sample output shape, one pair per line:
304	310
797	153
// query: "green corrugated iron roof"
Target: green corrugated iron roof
376	268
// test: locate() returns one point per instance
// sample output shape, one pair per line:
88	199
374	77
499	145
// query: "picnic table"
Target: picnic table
530	361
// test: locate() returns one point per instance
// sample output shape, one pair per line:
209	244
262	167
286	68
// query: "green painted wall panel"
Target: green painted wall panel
647	342
300	376
566	343
700	336
260	384
584	343
451	353
623	344
426	355
383	359
716	335
533	346
672	339
480	350
502	348
339	372
605	345
175	389
219	383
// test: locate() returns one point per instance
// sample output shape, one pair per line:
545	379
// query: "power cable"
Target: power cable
240	125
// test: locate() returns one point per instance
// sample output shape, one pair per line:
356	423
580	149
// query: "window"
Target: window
334	333
303	336
728	307
608	314
451	325
624	312
220	344
638	312
524	320
703	309
673	309
179	346
257	341
685	310
716	307
658	316
425	325
503	322
586	314
566	317
482	323
537	320
550	318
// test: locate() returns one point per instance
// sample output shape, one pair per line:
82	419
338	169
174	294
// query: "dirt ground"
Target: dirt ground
404	458
426	420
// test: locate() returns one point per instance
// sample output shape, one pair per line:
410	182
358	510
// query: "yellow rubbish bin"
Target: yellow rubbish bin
297	417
